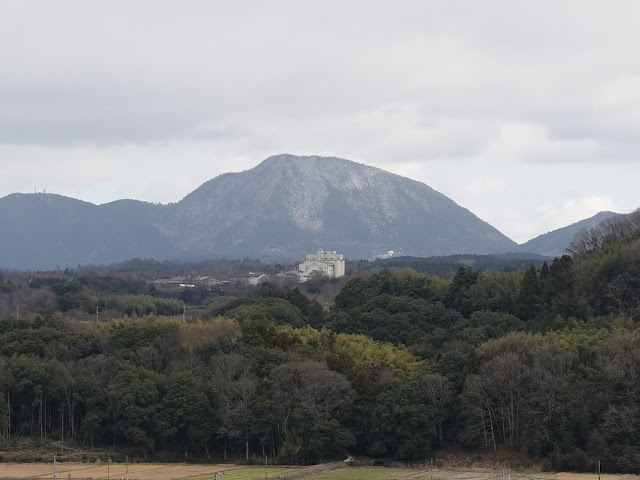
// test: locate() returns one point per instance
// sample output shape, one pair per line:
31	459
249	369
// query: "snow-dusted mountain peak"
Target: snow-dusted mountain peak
287	198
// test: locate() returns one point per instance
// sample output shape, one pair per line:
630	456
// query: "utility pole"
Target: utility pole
184	312
431	468
18	312
97	311
127	467
598	469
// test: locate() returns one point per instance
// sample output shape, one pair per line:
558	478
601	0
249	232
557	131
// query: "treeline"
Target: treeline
84	296
149	267
209	388
544	362
447	265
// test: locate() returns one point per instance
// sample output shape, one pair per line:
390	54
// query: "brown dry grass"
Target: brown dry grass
158	471
592	476
475	474
137	471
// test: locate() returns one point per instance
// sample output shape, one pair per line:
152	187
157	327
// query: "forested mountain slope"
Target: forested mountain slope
543	363
555	243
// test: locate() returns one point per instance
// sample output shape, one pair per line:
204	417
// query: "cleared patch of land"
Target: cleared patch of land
592	476
382	473
480	474
114	471
357	473
250	473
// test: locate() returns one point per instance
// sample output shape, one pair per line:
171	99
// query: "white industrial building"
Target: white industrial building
328	263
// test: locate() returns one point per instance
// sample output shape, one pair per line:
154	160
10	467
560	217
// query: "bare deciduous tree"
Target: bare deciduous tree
234	385
439	392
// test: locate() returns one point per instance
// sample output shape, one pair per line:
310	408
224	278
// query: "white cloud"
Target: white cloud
559	215
487	186
532	143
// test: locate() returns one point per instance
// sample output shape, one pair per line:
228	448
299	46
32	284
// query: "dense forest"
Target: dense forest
543	362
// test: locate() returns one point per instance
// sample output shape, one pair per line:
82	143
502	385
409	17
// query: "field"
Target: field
135	471
155	471
592	476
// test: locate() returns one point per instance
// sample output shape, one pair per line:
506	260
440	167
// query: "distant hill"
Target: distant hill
46	230
281	209
554	243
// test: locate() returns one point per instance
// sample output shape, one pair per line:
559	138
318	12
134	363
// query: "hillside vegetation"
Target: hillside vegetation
543	362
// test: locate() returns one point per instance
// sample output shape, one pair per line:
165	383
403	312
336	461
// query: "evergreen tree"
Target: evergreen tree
459	294
529	298
561	286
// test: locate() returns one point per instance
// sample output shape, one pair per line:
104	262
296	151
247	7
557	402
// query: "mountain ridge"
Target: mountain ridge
555	242
284	207
310	195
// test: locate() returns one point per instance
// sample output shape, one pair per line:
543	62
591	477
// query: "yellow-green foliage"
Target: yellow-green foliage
142	305
192	336
360	349
578	337
141	321
421	284
365	350
195	335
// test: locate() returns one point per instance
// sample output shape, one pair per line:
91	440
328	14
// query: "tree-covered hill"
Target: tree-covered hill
542	362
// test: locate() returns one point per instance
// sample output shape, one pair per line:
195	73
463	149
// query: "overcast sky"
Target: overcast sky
527	113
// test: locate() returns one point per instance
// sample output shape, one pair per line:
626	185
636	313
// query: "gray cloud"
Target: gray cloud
188	90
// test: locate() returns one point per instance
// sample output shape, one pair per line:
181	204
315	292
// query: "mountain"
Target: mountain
46	230
283	208
292	205
554	243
